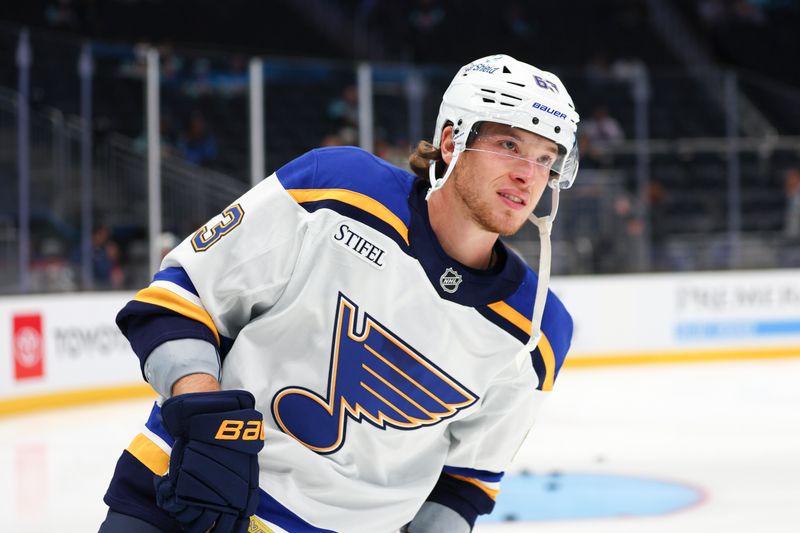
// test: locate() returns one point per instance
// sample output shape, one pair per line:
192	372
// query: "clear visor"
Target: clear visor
567	168
541	156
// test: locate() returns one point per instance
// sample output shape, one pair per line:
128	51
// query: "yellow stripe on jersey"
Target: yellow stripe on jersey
149	454
548	356
512	315
165	298
356	199
492	493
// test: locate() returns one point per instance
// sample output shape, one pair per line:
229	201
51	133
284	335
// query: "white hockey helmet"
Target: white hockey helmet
501	89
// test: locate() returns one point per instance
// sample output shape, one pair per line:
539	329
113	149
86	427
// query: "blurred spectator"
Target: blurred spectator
657	204
747	12
106	270
167	241
134	65
591	156
628	68
598	69
332	139
600	132
234	80
517	20
712	12
518	26
624	248
50	271
343	114
167	136
206	77
717	13
602	128
390	20
394	153
426	16
425	19
791	226
172	67
198	81
61	14
196	143
114	255
348	136
343	110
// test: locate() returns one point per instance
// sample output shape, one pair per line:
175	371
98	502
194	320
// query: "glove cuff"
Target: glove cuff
177	412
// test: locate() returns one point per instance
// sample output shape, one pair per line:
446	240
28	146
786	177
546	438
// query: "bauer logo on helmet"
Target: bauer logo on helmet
555	112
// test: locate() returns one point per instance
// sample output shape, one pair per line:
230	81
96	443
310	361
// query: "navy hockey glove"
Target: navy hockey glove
213	468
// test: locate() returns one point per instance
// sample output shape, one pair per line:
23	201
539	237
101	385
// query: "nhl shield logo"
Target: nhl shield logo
450	280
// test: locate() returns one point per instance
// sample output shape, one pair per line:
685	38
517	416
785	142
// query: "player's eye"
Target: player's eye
546	161
508	144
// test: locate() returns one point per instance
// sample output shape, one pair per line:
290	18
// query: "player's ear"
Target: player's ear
447	145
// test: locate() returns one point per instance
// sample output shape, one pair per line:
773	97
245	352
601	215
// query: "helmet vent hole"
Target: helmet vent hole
507	104
488	101
505	70
517	84
488	91
511	96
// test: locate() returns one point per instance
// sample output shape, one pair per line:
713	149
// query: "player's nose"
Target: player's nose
526	172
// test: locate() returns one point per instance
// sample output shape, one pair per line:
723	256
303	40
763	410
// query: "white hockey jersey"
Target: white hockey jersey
379	363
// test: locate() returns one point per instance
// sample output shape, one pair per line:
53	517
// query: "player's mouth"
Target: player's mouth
513	200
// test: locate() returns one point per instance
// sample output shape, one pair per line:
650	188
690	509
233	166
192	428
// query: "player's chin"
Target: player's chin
508	232
509	225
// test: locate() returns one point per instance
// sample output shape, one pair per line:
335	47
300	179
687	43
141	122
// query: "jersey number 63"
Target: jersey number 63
205	238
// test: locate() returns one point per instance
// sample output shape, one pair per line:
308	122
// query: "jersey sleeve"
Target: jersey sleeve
230	271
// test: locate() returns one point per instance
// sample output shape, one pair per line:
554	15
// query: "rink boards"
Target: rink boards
65	349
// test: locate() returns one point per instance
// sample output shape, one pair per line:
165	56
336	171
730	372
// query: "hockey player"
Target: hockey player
349	348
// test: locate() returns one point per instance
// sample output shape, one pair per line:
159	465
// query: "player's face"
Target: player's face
502	175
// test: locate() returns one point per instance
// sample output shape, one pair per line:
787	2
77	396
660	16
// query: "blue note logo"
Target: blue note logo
374	377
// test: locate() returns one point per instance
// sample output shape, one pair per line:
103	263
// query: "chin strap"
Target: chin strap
437	184
545	225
